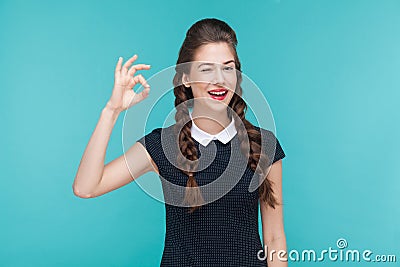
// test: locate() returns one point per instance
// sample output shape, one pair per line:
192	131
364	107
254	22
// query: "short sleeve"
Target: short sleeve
279	153
152	143
271	146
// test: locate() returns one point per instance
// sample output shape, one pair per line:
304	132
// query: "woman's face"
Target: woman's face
212	76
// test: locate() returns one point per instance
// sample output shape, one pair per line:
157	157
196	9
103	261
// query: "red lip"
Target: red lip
218	97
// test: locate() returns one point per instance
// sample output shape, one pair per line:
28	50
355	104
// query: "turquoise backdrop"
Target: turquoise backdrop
330	71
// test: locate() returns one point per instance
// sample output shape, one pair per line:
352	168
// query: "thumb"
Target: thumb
143	94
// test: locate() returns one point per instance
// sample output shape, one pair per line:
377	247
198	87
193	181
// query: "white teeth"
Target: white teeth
218	93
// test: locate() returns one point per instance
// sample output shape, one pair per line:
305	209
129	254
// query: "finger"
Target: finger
137	67
139	79
142	95
129	62
118	66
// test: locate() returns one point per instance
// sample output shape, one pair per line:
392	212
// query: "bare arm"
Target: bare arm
272	220
93	178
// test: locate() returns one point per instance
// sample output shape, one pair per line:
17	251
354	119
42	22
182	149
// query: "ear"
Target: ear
185	80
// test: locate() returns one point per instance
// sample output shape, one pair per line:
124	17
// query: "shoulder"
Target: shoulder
159	131
156	136
266	135
158	144
271	144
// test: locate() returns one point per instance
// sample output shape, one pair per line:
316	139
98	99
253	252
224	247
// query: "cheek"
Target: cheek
231	95
200	88
231	83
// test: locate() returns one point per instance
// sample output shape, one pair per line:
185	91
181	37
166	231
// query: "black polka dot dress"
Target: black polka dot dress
223	232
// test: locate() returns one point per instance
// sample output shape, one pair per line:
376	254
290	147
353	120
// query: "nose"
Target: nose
218	76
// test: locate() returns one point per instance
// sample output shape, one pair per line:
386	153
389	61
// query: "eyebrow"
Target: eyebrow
226	62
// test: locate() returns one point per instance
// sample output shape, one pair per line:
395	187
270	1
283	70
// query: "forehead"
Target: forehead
214	52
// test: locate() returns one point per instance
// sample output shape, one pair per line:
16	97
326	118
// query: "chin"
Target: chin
213	104
216	105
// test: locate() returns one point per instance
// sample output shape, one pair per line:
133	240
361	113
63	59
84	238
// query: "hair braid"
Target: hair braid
187	148
257	160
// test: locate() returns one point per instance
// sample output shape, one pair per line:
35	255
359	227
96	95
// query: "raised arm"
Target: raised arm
93	178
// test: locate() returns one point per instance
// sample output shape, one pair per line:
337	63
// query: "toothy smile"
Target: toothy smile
218	92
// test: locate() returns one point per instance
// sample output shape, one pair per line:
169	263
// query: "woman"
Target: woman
199	232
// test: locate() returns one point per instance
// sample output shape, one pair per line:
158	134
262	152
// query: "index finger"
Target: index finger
130	61
134	68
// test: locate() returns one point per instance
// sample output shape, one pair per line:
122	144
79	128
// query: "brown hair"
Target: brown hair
206	31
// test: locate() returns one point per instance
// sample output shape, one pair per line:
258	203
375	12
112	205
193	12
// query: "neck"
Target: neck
210	121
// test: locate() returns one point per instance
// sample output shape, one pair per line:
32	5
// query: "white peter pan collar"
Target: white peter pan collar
205	138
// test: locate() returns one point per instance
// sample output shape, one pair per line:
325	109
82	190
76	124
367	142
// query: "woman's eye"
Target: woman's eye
228	68
203	70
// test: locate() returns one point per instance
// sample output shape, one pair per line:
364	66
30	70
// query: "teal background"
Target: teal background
329	70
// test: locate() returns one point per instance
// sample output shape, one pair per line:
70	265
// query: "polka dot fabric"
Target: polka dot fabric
223	232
